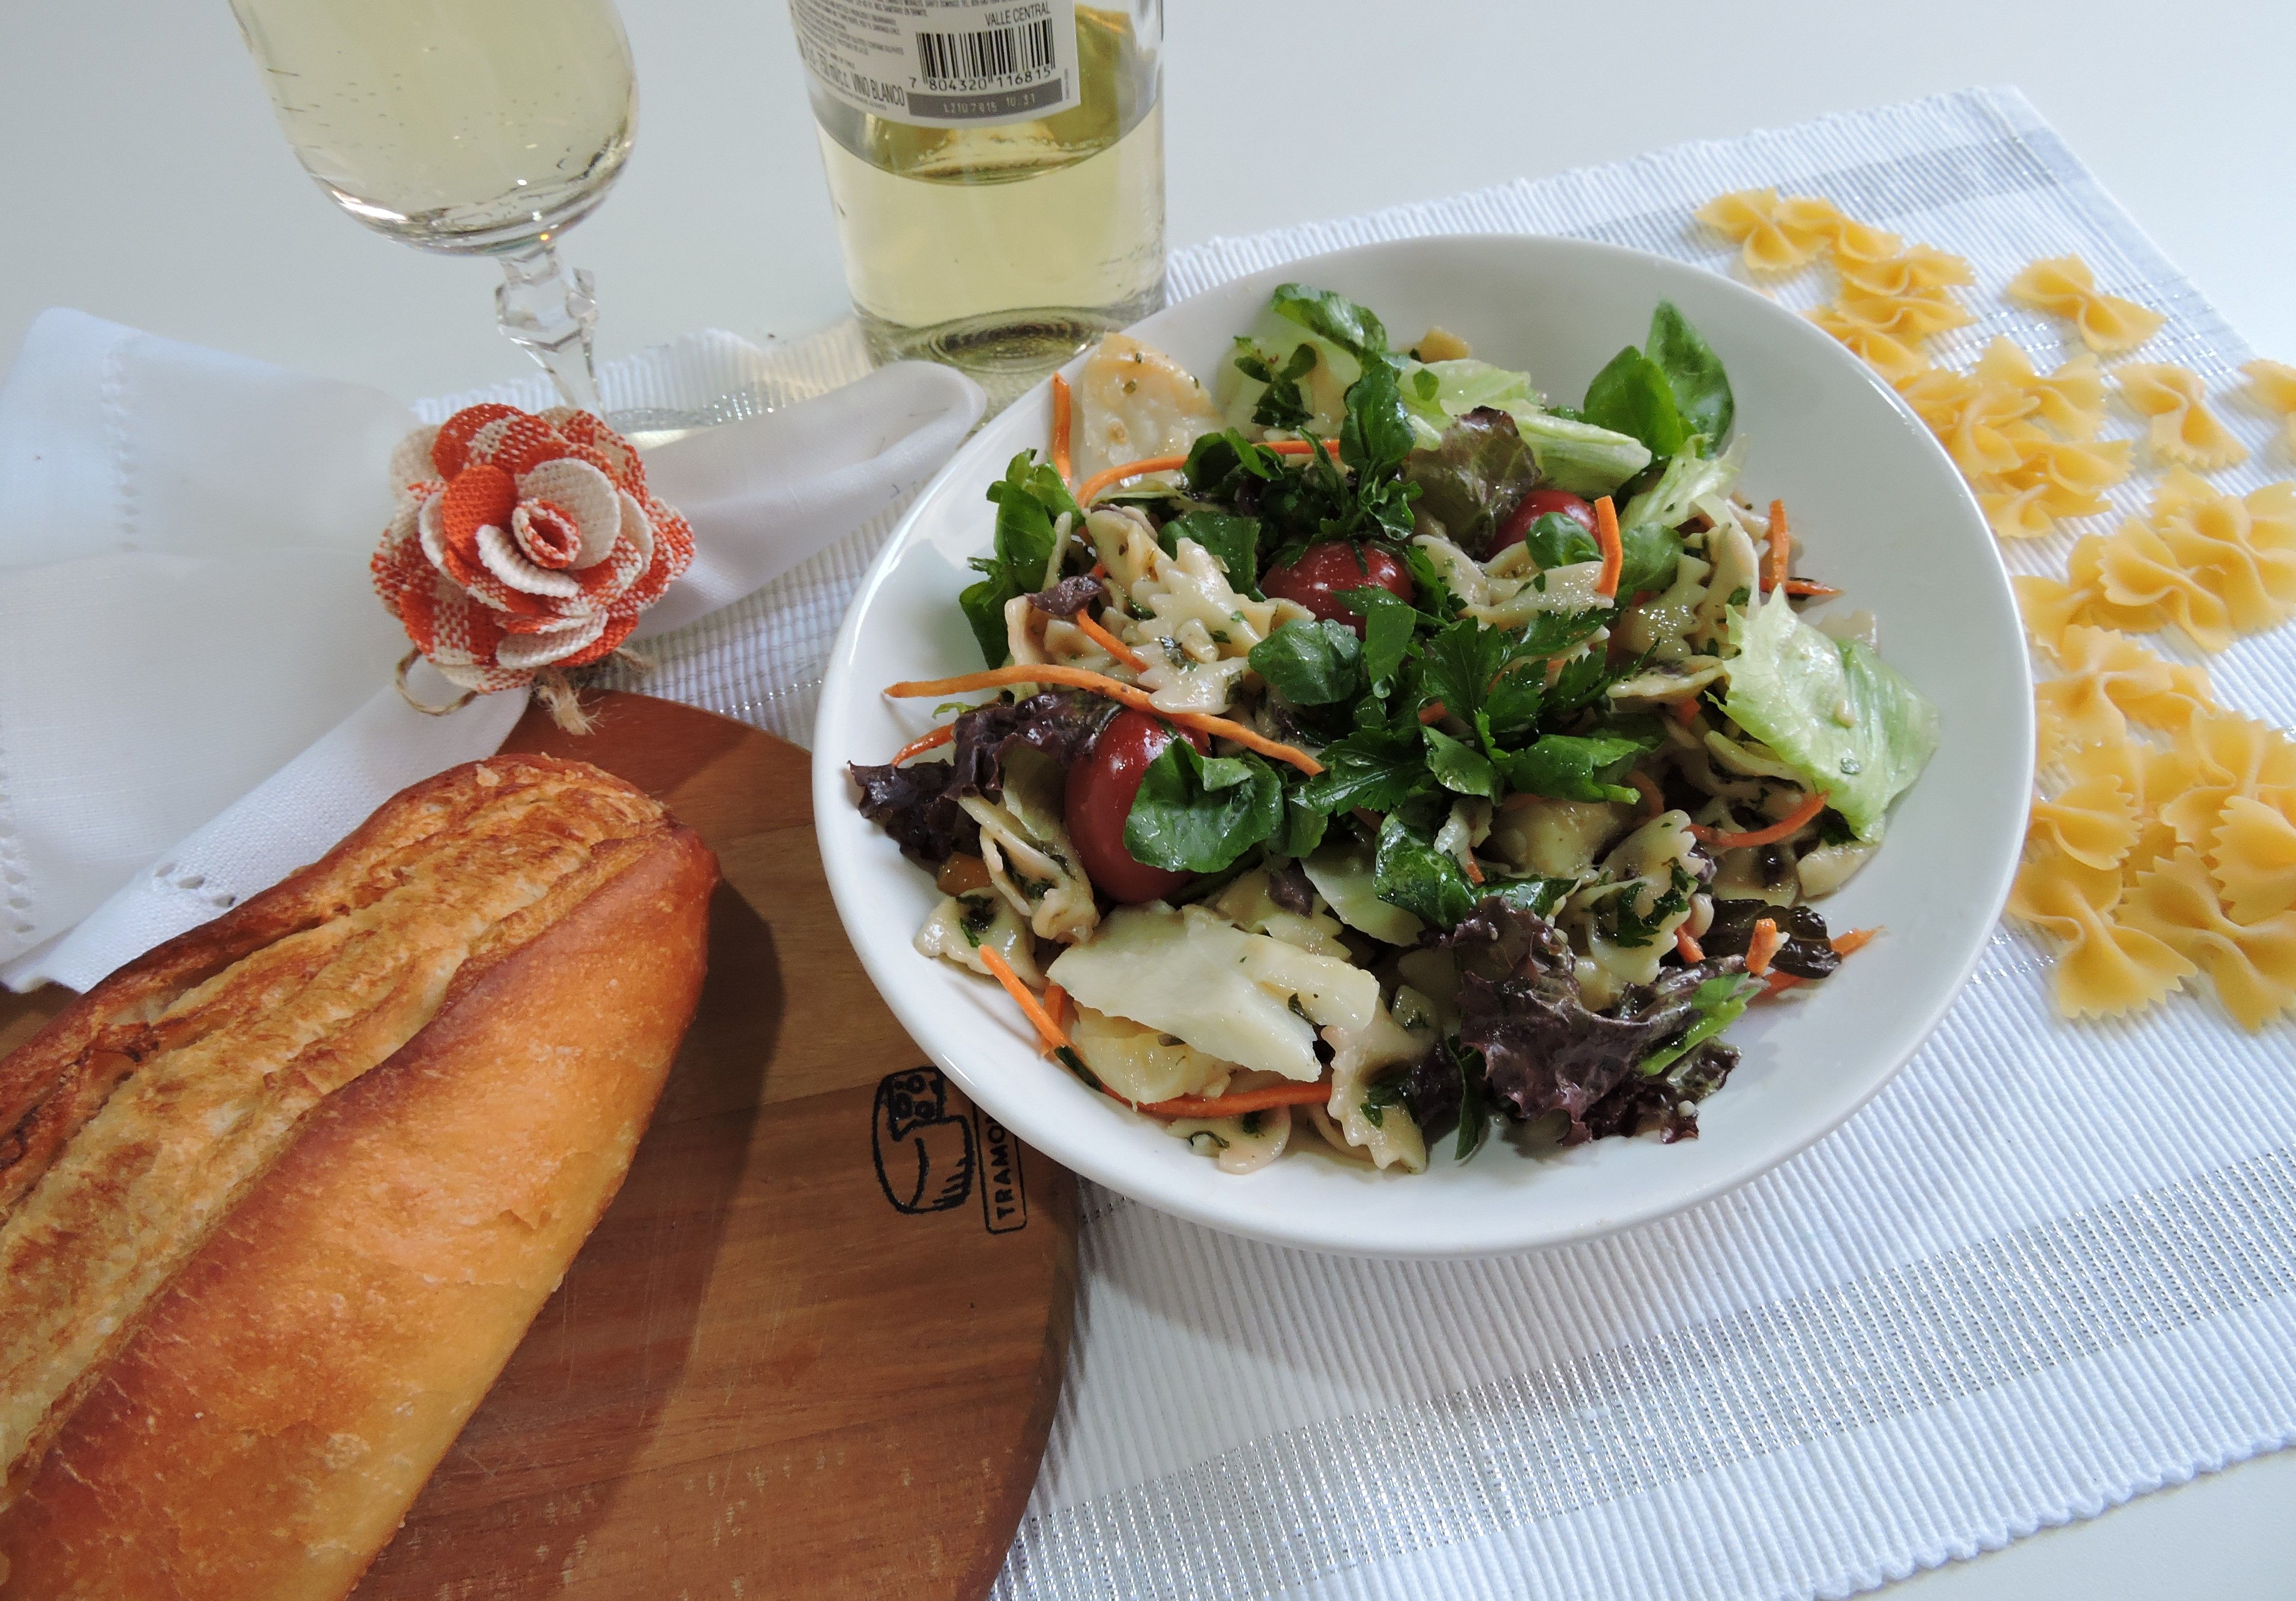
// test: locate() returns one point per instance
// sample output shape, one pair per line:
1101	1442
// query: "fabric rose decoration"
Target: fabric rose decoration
523	544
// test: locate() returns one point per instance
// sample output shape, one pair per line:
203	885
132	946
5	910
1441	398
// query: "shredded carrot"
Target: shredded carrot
1240	1101
1089	490
1809	586
1614	553
1109	643
1844	944
1686	710
925	742
1763	946
1100	569
1852	941
1434	711
1056	1007
1724	839
1060	427
1116	690
1781	551
1653	803
1687	946
1031	1008
1471	868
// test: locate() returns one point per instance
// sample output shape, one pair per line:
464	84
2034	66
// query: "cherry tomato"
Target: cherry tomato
1537	504
1324	572
1099	799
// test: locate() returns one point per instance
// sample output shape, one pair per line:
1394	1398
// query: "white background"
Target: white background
148	184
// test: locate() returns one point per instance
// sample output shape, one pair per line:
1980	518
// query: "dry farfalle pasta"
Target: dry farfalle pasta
2253	853
2272	385
2104	966
1895	360
1774	235
2212	564
2065	287
2105	681
2252	963
2183	430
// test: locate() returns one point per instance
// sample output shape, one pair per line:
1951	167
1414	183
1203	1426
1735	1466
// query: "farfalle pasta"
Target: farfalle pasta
2104	966
1920	270
2183	430
2063	285
2252	964
2244	549
2252	854
1774	235
2272	385
1892	357
2071	400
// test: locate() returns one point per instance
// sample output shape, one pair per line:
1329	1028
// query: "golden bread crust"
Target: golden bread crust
286	1192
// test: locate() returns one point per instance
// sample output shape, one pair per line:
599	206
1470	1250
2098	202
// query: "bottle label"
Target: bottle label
942	63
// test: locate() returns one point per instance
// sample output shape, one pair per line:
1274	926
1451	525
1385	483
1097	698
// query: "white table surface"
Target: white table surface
151	185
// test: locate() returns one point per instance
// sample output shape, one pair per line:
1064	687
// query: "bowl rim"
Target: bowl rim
1104	1164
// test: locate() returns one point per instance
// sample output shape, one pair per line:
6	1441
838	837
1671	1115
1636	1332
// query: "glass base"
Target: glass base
1005	352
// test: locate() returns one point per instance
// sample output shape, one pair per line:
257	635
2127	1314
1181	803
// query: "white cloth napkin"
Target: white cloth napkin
194	673
2050	1267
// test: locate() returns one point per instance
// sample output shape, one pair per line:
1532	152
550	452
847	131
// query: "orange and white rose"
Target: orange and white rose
522	542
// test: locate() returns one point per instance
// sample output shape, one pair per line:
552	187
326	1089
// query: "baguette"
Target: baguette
283	1195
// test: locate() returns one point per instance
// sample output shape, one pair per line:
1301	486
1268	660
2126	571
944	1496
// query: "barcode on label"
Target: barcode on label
991	55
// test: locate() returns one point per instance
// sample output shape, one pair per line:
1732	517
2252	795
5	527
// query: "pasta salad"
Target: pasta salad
1370	745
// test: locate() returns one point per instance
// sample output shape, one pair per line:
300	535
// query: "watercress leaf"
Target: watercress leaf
1408	872
1311	664
1632	397
1376	435
1651	554
1539	896
1434	590
1351	327
1197	813
983	605
1029	498
1459	767
1379	768
1555	540
1303	826
1217	462
1232	541
1694	373
1388	625
1572	766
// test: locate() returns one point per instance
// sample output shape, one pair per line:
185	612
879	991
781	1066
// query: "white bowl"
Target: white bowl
1878	511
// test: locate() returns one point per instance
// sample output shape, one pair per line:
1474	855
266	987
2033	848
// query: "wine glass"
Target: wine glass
469	126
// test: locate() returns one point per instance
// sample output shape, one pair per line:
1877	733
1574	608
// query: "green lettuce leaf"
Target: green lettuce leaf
1831	709
1571	454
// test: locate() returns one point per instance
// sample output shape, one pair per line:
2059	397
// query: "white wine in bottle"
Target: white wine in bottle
454	125
997	171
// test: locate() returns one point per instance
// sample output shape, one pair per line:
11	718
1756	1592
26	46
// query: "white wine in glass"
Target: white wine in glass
472	127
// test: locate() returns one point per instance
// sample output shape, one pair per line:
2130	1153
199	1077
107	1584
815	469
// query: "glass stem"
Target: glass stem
550	311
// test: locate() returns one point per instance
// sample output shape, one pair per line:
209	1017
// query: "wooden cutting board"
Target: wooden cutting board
814	1347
